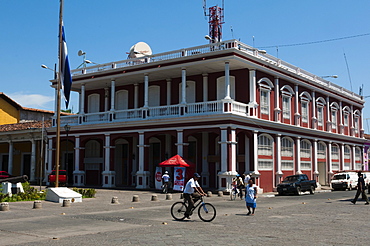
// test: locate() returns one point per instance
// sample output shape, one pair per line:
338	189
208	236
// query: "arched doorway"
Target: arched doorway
93	163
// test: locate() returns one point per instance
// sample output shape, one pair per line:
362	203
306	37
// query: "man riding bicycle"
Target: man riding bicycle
239	183
166	179
192	191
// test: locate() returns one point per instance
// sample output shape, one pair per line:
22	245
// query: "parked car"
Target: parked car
344	180
4	175
62	177
296	184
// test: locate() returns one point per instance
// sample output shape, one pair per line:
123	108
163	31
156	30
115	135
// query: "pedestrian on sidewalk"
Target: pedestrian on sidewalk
251	197
360	189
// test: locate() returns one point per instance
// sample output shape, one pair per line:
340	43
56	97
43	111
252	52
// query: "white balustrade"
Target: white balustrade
129	114
96	117
205	107
239	108
168	110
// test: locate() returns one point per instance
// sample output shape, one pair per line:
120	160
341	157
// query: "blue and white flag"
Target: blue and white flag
66	78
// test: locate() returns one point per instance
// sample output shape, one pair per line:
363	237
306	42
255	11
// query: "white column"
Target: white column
107	152
316	170
329	159
33	160
252	91
277	100
141	151
78	175
205	87
296	113
142	177
10	159
180	143
255	152
82	106
278	173
106	97
183	85
233	150
353	160
168	91
223	146
136	95
328	115
341	167
227	81
108	175
298	151
112	94
146	90
205	170
352	122
314	118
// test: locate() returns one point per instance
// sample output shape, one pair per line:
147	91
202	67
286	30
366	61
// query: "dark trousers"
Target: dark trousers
363	195
190	199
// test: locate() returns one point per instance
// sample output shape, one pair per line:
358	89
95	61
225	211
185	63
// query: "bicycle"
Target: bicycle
165	188
235	192
206	211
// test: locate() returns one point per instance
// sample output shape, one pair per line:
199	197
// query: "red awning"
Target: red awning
175	161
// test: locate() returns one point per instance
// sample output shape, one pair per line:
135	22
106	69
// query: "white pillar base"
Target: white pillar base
109	179
78	178
225	180
142	179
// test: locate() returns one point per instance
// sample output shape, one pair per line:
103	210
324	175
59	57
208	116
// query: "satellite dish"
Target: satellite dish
81	53
140	49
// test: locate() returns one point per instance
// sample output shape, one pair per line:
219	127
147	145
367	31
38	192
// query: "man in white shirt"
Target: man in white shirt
166	180
192	191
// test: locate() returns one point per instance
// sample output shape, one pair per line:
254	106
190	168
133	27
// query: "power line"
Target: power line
315	42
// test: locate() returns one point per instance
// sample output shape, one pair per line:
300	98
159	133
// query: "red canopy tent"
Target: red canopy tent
178	161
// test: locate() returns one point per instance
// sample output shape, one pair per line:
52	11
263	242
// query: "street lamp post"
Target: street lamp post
67	128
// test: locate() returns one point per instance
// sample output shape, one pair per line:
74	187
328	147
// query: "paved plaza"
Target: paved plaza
326	218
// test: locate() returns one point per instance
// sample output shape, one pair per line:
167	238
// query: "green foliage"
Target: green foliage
29	194
86	193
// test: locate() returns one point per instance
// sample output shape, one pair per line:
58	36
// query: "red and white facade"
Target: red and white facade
224	106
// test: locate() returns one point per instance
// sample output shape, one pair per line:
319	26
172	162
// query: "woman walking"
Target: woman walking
251	197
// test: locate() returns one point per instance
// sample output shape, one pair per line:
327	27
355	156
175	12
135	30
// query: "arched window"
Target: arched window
305	155
190	91
265	86
334	115
286	96
321	151
121	100
221	87
347	158
346	111
287	153
335	157
154	96
358	162
265	149
356	119
93	103
305	102
320	103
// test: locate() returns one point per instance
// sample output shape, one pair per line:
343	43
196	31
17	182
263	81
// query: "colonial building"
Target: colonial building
225	106
21	134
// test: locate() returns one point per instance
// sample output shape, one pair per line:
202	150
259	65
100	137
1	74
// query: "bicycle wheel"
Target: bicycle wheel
207	212
233	194
178	210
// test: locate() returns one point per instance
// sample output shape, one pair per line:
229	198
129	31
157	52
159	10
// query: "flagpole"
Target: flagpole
59	77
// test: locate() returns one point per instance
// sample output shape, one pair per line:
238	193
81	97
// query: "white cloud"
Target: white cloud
33	100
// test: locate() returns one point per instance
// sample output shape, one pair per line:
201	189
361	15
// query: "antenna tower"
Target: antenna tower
216	19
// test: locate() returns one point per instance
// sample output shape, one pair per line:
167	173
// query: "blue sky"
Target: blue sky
106	30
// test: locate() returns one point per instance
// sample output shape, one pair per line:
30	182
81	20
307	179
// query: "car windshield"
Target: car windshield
339	176
60	173
291	178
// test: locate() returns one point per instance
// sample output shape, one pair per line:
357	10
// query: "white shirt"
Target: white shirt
246	179
166	177
189	187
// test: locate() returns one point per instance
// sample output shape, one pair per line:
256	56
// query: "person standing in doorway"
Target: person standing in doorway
360	189
251	197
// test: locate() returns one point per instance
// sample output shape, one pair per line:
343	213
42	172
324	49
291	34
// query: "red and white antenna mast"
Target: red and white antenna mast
216	19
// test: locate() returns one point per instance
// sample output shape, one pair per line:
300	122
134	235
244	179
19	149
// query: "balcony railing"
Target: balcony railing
168	111
214	47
